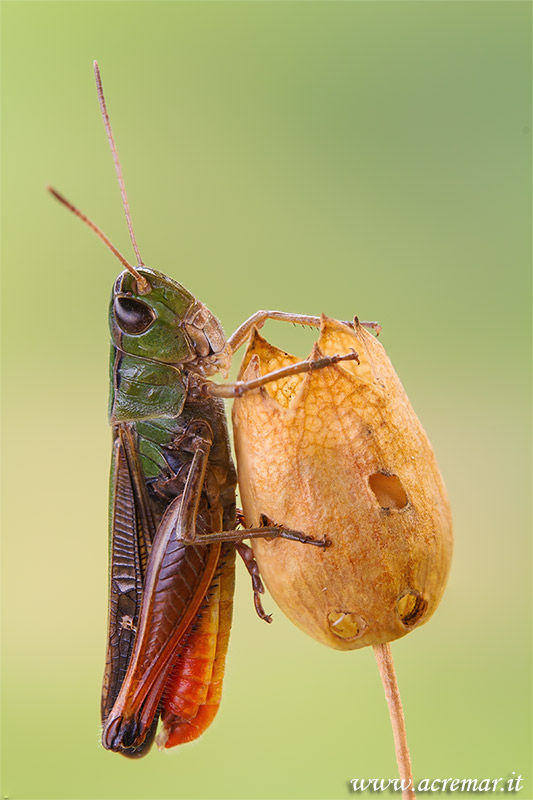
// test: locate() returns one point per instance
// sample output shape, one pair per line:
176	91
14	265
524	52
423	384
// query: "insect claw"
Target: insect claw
260	610
324	542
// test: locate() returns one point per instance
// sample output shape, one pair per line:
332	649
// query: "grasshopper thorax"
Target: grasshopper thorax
166	324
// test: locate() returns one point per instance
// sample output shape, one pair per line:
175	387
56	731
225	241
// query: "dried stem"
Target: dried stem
394	701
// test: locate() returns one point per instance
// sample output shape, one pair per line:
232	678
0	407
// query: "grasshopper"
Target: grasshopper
174	528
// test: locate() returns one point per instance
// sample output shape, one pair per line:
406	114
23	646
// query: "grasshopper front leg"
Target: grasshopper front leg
238	388
258	319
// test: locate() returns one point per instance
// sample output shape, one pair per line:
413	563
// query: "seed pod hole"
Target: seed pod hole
411	608
346	624
388	490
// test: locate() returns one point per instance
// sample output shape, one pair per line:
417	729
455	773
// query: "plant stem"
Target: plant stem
394	701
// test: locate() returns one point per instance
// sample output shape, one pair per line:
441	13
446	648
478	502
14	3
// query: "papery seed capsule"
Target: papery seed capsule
339	452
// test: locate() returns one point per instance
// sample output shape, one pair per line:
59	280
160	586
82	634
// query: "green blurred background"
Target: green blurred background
369	158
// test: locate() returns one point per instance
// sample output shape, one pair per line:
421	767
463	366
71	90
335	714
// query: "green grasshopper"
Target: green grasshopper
173	521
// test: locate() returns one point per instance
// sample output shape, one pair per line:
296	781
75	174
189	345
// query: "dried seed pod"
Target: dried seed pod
339	452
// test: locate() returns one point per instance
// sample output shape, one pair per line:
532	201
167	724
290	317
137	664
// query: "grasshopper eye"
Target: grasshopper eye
132	316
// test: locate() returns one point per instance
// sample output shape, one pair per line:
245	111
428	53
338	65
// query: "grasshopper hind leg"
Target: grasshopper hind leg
117	738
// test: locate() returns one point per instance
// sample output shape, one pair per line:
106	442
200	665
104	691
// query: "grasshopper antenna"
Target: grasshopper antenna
143	286
114	152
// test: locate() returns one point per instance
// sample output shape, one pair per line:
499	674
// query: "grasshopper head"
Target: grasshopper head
162	321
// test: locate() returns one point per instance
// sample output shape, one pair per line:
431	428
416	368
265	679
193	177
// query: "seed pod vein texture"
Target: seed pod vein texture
339	452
